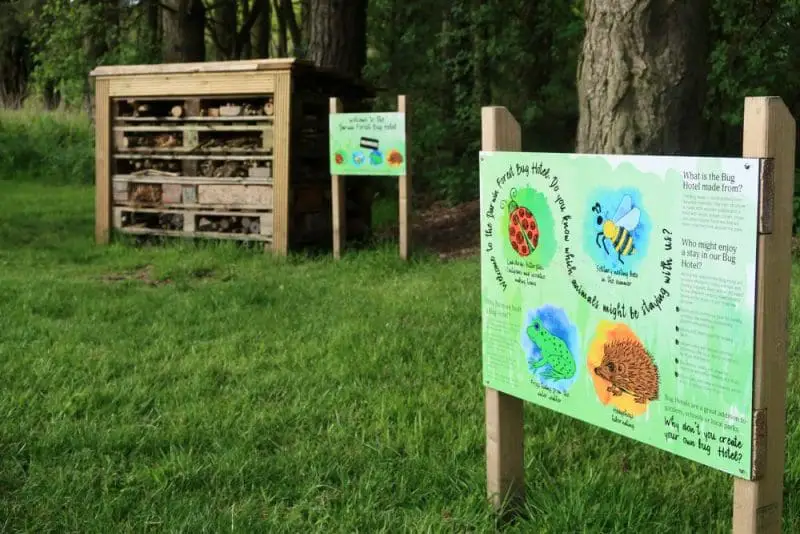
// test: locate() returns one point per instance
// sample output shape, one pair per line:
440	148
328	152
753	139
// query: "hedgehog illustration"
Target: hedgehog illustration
630	369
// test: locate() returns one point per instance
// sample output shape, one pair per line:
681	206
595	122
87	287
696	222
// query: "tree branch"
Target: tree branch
247	27
291	21
165	7
212	32
215	5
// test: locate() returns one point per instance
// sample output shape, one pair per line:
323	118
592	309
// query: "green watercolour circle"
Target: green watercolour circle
538	205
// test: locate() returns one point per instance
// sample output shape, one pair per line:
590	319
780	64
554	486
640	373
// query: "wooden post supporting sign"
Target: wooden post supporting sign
584	292
404	186
338	198
769	132
504	421
370	144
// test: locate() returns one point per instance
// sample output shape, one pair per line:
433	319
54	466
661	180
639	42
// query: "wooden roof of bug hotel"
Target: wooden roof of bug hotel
295	65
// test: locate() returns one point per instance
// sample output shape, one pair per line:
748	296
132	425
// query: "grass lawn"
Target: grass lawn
211	388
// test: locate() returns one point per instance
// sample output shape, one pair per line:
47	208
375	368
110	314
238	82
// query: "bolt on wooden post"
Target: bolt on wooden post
576	293
370	144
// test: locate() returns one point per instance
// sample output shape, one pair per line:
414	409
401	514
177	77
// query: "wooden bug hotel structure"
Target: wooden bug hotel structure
233	149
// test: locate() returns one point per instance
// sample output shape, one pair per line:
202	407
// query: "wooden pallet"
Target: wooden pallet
196	139
194	223
189	120
185	194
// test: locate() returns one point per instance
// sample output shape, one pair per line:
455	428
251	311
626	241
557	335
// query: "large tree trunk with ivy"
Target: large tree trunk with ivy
338	38
642	77
184	30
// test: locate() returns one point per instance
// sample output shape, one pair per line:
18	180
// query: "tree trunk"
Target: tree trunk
283	41
153	27
263	28
247	45
16	63
642	77
338	38
225	26
184	25
305	25
287	7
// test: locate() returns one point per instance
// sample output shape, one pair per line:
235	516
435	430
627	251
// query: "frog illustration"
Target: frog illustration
554	352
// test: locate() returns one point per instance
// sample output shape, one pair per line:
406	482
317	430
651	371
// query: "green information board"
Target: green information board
367	144
620	290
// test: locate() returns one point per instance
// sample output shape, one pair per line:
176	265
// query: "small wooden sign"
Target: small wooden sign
369	144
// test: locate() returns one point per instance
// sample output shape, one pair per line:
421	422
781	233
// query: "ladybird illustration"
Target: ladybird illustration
523	231
339	157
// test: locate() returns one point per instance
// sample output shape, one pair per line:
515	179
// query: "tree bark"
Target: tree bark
153	26
283	40
264	29
642	77
291	22
305	24
225	26
184	23
338	35
16	64
247	44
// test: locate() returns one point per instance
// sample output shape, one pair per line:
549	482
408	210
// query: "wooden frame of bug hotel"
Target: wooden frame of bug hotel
650	300
231	150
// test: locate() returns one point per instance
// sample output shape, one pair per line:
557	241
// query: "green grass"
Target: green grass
229	391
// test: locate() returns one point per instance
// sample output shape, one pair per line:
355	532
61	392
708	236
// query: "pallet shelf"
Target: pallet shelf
240	225
229	150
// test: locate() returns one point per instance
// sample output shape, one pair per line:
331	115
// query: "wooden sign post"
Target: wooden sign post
370	144
651	301
769	132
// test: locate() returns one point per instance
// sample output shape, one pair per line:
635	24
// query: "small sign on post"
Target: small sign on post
369	144
646	295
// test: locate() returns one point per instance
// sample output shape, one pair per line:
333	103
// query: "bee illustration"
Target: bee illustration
618	228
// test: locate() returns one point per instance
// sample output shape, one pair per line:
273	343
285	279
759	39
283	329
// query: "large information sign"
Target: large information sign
620	290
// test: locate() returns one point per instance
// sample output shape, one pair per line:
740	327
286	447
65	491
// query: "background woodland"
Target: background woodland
642	76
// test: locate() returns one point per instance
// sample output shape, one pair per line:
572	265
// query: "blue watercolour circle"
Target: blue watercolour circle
556	322
375	157
605	204
358	158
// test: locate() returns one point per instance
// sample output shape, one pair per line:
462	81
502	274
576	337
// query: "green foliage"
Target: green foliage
53	148
451	58
796	203
71	37
753	54
454	57
796	214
